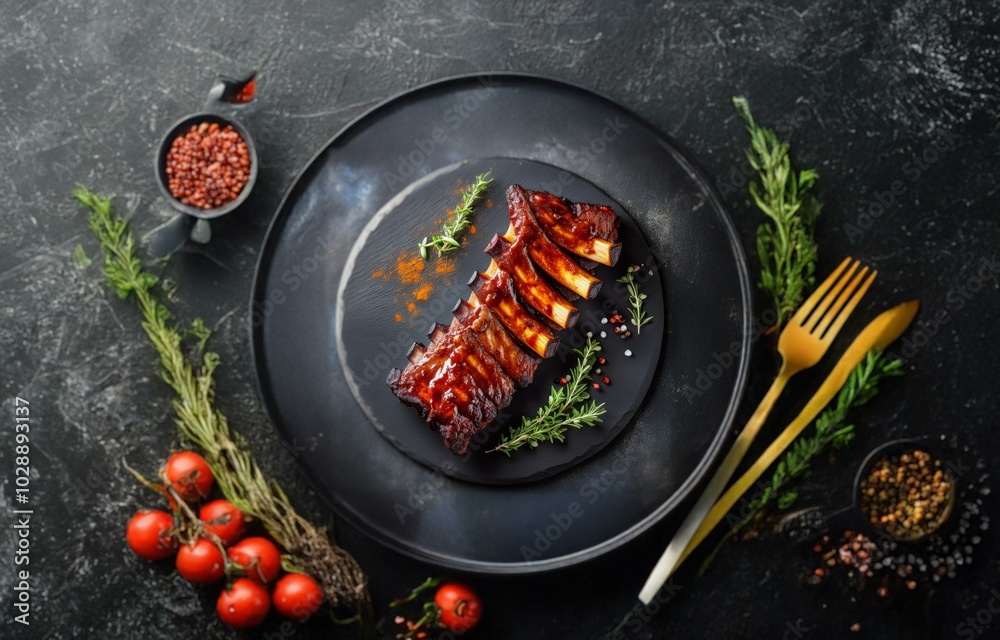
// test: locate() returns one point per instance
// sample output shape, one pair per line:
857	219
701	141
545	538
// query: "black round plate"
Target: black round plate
590	508
381	312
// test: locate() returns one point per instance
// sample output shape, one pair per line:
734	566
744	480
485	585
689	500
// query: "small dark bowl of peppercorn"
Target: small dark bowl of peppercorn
206	165
905	490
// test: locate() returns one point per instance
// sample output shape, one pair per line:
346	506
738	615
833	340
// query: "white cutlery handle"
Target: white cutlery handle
671	557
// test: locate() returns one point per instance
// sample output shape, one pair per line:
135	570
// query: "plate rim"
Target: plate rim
708	460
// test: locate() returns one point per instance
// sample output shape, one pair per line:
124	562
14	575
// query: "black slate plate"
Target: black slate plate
379	316
590	508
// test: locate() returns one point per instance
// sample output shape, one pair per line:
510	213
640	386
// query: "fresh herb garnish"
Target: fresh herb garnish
786	246
635	299
460	221
236	472
567	407
831	429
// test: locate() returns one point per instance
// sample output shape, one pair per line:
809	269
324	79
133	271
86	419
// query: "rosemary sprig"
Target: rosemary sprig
460	221
567	407
236	472
786	245
635	299
830	430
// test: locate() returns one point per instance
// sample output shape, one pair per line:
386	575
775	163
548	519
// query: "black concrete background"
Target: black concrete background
869	93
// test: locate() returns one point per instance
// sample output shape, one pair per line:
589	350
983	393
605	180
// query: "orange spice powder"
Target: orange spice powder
409	267
424	292
444	266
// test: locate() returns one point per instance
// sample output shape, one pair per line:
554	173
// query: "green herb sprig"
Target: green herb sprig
236	472
460	221
635	299
567	407
786	245
830	430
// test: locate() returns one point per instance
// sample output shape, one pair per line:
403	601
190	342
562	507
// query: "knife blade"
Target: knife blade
879	334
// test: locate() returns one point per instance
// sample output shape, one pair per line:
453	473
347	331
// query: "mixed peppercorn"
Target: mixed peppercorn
208	166
907	495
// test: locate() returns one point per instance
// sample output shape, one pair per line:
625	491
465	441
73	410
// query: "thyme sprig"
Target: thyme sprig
830	430
461	219
635	299
786	244
567	407
236	472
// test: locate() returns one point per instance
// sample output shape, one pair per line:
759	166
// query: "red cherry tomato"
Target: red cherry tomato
150	534
243	605
189	475
224	520
460	607
260	556
297	596
200	562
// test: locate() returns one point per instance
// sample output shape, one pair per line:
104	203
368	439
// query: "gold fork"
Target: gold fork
802	344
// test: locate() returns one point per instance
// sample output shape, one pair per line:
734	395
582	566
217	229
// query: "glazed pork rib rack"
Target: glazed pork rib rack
469	370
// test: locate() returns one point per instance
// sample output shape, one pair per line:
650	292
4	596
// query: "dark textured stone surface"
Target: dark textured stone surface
864	91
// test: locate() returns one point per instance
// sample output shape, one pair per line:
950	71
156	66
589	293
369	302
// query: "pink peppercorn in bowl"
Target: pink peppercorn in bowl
206	165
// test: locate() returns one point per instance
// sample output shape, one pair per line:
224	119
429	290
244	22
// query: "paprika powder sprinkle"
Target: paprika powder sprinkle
444	266
423	293
409	267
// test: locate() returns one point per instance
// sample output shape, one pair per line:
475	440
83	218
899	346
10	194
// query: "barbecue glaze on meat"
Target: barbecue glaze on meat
470	369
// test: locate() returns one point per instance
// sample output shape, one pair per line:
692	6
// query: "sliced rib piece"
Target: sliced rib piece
515	362
512	257
588	230
456	385
602	220
415	353
544	253
496	292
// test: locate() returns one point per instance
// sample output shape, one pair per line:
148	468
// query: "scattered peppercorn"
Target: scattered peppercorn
208	166
607	380
602	361
597	386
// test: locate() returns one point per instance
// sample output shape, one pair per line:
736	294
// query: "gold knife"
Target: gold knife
879	334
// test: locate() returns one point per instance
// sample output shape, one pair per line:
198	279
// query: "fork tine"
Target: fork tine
831	314
829	298
817	295
846	313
